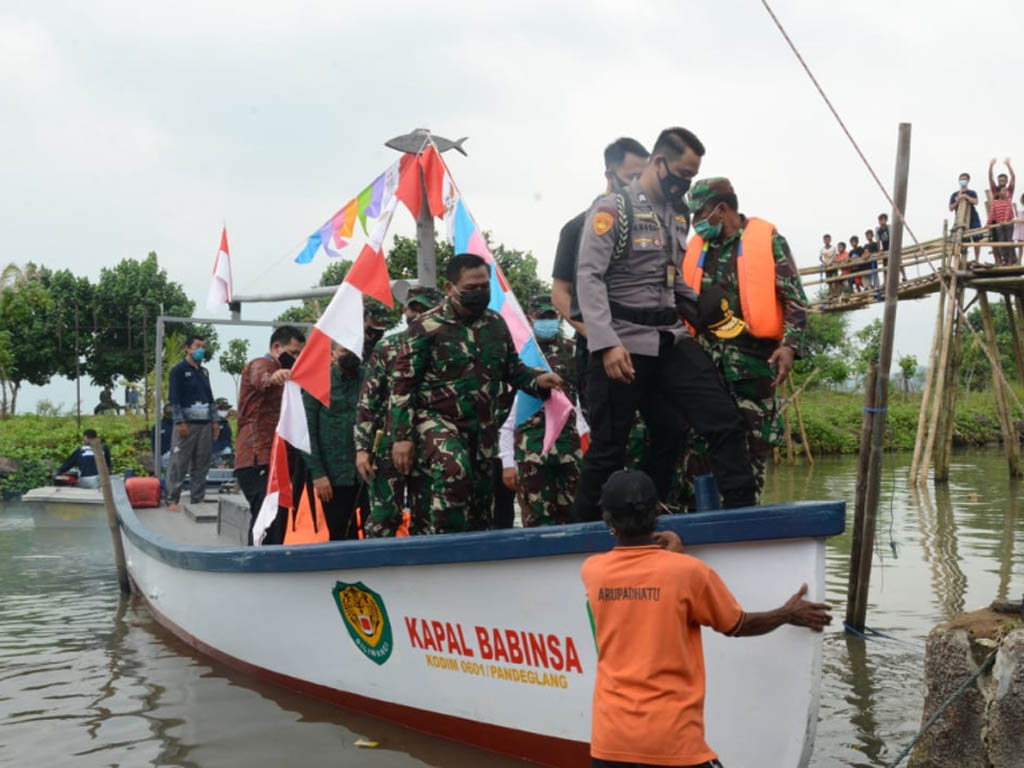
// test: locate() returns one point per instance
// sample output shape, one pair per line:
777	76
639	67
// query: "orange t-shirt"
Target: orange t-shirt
649	605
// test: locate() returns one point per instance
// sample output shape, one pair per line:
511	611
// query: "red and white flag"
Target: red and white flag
342	321
220	282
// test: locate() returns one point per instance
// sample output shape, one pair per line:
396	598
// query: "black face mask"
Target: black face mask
286	359
673	187
348	362
476	300
371	336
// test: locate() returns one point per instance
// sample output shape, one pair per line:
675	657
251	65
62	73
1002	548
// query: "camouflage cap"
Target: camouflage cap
378	314
222	403
705	190
540	304
425	297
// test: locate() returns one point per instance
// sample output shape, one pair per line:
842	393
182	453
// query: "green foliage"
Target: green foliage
519	267
826	349
128	298
29	348
868	340
49	440
975	368
45	408
31	473
234	359
908	369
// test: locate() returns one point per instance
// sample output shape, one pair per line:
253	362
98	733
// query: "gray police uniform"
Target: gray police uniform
631	295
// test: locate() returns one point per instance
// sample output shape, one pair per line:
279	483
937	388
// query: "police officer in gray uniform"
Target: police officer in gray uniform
642	357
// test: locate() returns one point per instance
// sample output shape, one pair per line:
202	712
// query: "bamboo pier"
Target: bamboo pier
949	266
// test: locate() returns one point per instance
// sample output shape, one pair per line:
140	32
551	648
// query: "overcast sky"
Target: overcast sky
130	127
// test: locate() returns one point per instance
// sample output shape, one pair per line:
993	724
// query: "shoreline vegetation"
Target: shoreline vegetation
31	446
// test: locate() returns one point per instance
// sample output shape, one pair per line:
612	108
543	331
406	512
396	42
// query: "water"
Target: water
89	680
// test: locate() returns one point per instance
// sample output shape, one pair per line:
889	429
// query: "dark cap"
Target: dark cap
378	314
629	494
424	297
540	304
222	402
716	316
709	189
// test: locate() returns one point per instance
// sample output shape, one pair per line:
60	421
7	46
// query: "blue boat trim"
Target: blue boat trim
799	520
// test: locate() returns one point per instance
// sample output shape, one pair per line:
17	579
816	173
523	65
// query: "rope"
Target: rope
945	705
945	286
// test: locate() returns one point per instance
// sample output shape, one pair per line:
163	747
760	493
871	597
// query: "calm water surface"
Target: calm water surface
88	680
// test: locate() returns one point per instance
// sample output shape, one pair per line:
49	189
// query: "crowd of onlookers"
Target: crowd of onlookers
856	259
1004	224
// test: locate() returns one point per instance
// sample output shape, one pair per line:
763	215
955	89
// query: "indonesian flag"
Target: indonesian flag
342	321
582	428
220	281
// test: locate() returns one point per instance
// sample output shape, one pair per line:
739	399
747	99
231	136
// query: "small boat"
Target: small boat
485	638
66	506
69	506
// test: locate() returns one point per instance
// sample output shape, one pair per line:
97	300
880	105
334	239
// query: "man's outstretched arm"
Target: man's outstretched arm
796	611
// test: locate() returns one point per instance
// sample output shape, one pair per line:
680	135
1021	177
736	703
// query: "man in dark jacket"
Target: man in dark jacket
195	423
84	460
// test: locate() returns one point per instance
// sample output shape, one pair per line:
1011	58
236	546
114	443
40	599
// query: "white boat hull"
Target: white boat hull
488	645
66	507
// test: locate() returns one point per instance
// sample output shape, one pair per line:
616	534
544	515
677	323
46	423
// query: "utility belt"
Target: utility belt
652	317
196	412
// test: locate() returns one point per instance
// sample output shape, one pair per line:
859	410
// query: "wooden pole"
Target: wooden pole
789	438
941	372
800	423
922	416
112	524
1018	349
1002	399
944	452
158	411
874	475
78	378
857	532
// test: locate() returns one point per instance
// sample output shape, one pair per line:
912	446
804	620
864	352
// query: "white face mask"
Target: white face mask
222	414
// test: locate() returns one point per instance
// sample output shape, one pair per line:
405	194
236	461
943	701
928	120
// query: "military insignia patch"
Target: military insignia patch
366	620
603	223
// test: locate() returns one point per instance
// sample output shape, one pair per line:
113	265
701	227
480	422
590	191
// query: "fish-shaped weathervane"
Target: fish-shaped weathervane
416	141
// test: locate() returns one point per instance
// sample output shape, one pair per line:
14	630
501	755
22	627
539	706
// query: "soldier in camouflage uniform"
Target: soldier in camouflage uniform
546	484
454	365
752	367
391	492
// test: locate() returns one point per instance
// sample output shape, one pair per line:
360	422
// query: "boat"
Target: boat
485	638
69	506
65	506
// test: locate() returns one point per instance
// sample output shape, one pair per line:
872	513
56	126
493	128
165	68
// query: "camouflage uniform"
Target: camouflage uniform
547	483
743	360
391	492
449	375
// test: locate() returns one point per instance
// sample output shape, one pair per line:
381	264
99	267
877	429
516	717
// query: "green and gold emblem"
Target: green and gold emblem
366	619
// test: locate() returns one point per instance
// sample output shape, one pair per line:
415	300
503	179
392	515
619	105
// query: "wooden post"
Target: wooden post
857	531
922	416
1018	350
873	486
800	423
108	503
948	422
952	287
789	437
1002	398
158	411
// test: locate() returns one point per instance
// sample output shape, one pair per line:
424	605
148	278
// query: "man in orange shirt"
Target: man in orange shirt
649	698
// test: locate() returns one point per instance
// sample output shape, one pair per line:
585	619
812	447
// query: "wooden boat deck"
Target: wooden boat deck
201	528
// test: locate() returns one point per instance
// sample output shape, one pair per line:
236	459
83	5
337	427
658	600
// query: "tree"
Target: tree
868	340
826	349
11	275
73	299
233	360
908	368
28	351
127	299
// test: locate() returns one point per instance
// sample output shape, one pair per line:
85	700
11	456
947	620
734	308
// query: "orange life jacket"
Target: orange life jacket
755	266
